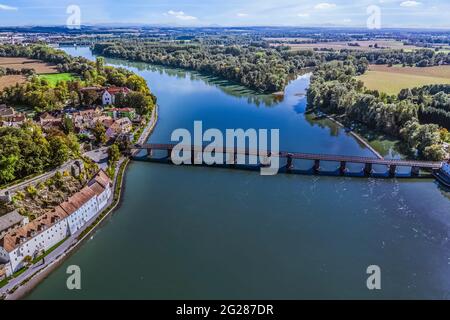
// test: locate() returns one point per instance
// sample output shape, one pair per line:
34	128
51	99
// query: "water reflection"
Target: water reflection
228	87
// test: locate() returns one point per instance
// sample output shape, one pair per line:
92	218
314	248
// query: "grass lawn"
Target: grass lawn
393	79
54	78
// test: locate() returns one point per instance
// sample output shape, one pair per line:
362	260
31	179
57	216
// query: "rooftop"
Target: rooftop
10	219
15	238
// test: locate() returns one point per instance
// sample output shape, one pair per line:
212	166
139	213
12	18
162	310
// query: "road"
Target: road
37	179
99	156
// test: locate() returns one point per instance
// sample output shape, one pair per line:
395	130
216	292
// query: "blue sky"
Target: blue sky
394	13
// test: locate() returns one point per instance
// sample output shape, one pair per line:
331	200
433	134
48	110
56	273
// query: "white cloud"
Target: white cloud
410	3
303	15
325	6
181	15
8	8
242	15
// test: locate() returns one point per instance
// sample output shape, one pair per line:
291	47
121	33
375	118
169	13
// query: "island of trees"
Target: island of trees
258	68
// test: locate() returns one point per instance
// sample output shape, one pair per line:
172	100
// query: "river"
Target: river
208	233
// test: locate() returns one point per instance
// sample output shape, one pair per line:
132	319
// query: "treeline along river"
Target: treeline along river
208	233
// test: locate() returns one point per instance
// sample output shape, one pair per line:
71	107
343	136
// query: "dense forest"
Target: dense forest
417	58
261	69
415	115
27	150
254	65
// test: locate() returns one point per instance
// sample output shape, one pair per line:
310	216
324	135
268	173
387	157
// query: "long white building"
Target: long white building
51	228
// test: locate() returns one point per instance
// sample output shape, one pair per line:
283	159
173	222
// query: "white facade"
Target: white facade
107	98
103	198
4	255
80	217
446	169
50	229
41	241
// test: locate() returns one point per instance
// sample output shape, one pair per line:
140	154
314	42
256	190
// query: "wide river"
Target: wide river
208	233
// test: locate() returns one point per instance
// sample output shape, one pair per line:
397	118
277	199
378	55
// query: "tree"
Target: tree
90	97
60	152
114	153
7	168
99	132
100	64
141	102
67	125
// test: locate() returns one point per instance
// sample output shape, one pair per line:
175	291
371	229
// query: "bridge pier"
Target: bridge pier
169	155
232	158
149	153
392	170
265	163
193	157
343	168
415	171
368	169
289	165
316	168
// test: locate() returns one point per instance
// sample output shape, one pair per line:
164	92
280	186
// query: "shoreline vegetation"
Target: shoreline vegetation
414	116
265	70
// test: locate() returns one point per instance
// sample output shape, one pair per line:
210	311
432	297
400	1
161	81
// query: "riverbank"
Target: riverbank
29	282
356	136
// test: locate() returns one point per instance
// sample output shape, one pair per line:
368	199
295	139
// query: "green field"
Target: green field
393	80
54	78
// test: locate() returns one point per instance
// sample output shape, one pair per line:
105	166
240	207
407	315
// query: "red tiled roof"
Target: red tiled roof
76	201
96	186
116	90
12	240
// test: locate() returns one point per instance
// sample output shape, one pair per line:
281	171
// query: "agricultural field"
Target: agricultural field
20	63
392	79
8	81
339	45
54	78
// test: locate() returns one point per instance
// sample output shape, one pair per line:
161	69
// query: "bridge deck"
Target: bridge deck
302	156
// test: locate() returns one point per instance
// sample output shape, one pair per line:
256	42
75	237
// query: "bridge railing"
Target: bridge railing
293	155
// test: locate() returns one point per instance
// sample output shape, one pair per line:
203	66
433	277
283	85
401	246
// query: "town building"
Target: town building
14	121
6	111
120	126
117	113
109	94
2	271
46	120
46	231
10	221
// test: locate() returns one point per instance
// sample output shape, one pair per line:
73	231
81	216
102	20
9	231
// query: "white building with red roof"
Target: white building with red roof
34	238
109	94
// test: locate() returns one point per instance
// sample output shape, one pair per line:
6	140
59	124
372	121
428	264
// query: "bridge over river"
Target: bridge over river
288	159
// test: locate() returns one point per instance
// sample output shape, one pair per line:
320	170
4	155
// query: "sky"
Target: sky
351	13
